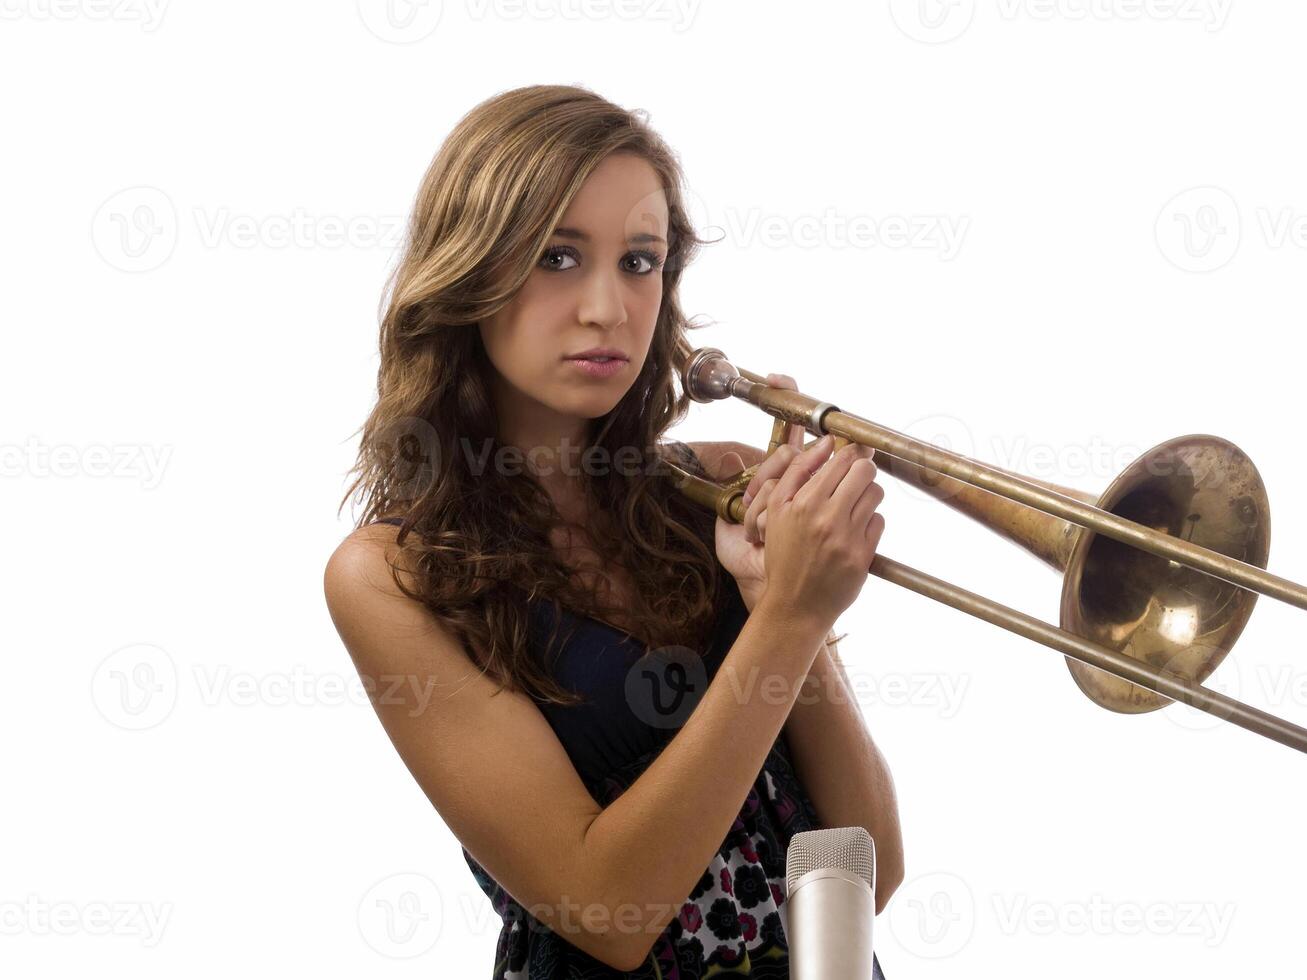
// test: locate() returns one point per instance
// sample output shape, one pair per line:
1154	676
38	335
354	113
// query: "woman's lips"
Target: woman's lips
598	367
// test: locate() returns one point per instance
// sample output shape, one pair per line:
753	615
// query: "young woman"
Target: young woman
623	707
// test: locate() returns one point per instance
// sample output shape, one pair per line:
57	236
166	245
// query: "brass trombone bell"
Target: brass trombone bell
1160	572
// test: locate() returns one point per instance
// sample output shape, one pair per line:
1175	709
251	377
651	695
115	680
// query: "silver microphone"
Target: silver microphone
830	878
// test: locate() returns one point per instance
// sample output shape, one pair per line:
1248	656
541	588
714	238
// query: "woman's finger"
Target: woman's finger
771	467
823	485
867	501
801	469
862	472
776	463
875	528
757	509
797	432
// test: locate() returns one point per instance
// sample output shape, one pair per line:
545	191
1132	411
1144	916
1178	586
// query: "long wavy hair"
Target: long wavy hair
474	538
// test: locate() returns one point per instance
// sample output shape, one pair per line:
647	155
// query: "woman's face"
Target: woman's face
597	288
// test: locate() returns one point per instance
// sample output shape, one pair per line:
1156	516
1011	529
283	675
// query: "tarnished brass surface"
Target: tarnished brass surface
1050	539
1200	488
1160	573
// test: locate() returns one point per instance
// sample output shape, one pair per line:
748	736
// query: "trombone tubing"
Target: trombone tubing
796	407
728	503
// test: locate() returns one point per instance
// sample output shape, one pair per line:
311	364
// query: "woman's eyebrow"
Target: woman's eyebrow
579	235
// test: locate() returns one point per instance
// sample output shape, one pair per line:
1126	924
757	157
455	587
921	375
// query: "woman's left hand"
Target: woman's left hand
740	546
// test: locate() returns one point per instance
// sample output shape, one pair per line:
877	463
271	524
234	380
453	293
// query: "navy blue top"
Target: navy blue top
636	698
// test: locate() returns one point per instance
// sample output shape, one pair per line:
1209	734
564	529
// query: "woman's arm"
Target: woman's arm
845	774
835	757
664	830
609	880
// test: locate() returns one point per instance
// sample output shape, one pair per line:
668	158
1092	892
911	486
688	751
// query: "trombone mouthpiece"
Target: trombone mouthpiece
708	376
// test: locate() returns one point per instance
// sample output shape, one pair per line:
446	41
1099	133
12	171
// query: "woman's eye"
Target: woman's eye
557	259
641	263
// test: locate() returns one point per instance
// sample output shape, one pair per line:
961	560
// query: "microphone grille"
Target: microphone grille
846	848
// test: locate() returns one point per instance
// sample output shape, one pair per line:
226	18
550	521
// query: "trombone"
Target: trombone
1160	572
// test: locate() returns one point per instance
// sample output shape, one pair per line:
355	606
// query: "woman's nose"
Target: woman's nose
601	300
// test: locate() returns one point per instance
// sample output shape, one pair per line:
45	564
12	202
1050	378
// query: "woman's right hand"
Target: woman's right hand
822	530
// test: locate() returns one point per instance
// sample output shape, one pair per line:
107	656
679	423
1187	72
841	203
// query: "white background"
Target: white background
183	381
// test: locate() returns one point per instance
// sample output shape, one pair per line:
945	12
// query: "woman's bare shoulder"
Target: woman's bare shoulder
715	461
365	558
